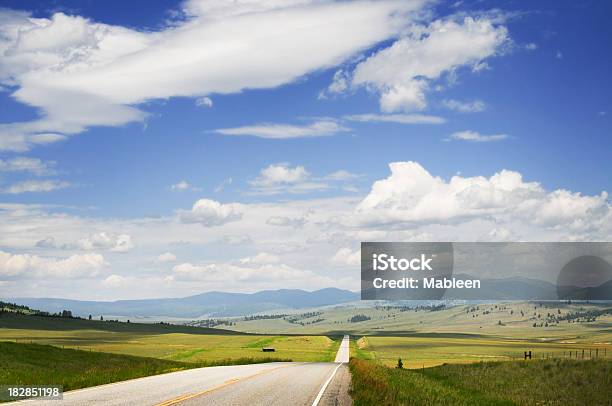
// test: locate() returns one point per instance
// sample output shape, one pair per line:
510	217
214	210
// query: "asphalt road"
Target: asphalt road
288	383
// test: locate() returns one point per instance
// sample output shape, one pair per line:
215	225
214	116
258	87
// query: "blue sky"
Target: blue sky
500	85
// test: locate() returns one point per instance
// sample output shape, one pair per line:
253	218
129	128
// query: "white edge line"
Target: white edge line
320	395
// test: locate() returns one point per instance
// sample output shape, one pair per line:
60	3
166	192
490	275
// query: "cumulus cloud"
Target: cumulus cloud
412	195
410	204
258	275
211	213
35	186
280	174
475	106
103	241
283	131
402	73
204	102
474	136
282	178
114	281
79	73
347	257
397	118
34	266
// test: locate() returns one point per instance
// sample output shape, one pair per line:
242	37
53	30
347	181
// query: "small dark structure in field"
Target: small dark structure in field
268	349
400	364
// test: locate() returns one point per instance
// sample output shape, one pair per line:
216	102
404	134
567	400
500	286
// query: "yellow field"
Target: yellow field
427	351
171	346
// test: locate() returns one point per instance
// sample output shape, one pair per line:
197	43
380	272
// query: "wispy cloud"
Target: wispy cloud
101	73
33	186
473	136
183	186
397	118
26	164
283	131
475	106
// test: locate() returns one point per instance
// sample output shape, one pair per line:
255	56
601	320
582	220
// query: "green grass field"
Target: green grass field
428	350
536	382
187	344
34	364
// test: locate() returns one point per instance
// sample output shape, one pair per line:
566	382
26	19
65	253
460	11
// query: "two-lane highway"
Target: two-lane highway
295	383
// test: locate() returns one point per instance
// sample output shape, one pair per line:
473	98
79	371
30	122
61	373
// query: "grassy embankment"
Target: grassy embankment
34	364
535	382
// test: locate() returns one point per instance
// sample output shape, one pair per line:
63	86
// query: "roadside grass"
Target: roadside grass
145	341
34	364
437	349
536	382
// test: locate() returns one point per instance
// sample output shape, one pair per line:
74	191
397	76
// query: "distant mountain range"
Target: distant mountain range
223	304
211	304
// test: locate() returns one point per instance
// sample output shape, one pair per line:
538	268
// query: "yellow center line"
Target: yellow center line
187	396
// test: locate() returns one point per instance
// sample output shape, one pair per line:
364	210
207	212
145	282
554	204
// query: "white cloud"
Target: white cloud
26	164
280	174
114	281
34	266
475	106
284	131
341	175
532	46
282	178
204	102
166	257
340	83
412	195
257	275
397	118
35	186
236	239
347	257
79	73
221	186
262	258
281	221
103	241
402	72
410	204
211	213
474	136
183	186
47	242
